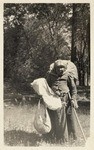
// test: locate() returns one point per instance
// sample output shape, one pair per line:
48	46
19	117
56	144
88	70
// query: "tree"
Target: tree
35	35
43	36
80	53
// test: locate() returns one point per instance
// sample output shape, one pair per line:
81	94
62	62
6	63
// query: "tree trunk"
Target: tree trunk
80	51
88	42
73	49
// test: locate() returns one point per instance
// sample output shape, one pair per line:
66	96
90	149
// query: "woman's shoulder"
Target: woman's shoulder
68	76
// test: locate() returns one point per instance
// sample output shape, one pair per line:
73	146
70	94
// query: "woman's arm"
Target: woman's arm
73	91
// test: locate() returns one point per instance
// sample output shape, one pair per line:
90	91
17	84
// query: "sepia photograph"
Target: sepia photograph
47	74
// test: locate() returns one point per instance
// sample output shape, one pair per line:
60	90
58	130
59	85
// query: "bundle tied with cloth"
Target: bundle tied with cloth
42	122
51	100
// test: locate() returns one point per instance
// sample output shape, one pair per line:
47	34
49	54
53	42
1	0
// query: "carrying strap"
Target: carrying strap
39	105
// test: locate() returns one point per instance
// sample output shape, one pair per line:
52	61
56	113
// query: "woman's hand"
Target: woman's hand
64	104
74	103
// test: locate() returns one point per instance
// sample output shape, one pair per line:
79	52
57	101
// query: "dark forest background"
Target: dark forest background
35	35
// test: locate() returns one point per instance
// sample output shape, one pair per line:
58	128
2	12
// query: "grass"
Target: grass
19	129
18	120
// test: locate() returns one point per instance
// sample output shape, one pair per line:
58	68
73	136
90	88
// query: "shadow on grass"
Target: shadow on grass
84	107
21	138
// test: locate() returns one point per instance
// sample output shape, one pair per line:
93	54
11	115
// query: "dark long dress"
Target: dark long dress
63	119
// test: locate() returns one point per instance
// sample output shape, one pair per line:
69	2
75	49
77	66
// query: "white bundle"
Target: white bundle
42	122
50	99
71	68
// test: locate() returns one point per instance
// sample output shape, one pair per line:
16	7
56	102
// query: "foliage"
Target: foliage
37	34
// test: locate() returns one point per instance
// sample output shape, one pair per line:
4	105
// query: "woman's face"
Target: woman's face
60	70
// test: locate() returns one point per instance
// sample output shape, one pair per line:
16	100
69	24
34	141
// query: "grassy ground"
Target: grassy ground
19	117
19	129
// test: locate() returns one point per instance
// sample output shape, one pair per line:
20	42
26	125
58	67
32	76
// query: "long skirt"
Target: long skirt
63	122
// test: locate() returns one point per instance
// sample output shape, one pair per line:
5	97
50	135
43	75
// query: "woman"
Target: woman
63	119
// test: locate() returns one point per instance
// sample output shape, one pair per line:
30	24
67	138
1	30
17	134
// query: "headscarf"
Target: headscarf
60	62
